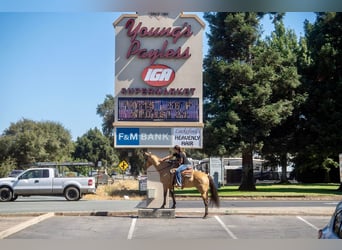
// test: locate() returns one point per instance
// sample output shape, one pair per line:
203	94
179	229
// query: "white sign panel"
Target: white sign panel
187	137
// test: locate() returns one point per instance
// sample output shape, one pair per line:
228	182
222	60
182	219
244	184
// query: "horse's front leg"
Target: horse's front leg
164	199
172	192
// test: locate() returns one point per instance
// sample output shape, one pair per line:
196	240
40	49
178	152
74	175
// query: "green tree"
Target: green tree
106	111
27	141
245	80
6	166
319	133
93	146
278	146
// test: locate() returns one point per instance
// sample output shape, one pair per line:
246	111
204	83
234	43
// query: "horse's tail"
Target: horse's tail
214	198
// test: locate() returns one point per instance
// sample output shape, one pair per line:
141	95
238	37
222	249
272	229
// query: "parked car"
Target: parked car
15	172
334	228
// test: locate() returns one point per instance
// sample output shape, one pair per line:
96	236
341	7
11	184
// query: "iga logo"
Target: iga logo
158	75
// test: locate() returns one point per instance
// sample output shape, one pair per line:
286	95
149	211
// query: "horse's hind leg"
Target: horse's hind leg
205	201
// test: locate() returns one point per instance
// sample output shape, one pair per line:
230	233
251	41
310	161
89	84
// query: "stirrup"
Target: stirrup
177	185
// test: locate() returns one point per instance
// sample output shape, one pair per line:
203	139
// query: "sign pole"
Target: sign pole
155	194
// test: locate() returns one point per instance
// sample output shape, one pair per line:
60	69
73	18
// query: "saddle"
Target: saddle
187	173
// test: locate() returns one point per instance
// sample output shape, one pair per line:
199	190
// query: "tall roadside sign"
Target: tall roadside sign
158	80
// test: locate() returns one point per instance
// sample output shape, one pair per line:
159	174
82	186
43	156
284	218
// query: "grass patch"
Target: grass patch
129	189
274	190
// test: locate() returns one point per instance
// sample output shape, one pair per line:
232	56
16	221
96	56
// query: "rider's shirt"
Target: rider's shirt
181	158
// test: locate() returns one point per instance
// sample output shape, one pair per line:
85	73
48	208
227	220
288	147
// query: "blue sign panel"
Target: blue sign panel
127	136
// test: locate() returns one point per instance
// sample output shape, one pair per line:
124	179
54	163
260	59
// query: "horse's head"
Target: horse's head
151	159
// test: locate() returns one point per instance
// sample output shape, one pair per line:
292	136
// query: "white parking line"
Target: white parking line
25	224
308	223
230	233
131	229
330	203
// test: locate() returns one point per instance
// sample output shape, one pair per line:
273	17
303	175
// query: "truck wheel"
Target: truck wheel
6	194
72	194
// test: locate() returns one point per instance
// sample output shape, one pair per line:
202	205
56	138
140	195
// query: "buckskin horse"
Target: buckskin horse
202	181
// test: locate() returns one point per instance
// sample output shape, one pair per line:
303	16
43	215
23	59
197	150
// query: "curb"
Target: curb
312	211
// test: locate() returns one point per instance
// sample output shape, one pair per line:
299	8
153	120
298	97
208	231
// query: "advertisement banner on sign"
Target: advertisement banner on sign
187	137
158	109
158	137
144	137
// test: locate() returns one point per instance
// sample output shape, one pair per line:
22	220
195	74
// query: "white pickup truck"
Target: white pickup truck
45	181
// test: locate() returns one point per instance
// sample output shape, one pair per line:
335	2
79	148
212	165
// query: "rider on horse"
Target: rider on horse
198	179
182	163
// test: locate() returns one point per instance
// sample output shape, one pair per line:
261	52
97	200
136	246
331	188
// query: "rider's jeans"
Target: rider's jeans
179	173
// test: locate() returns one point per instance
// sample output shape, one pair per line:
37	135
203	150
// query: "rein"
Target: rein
167	166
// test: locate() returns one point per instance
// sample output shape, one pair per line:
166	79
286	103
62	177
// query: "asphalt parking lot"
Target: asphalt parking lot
49	226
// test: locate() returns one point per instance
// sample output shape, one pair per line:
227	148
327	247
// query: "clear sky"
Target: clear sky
57	66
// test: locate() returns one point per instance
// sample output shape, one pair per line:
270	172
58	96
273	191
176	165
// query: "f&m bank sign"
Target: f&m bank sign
158	80
158	137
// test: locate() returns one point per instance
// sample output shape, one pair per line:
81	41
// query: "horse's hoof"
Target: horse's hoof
205	216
